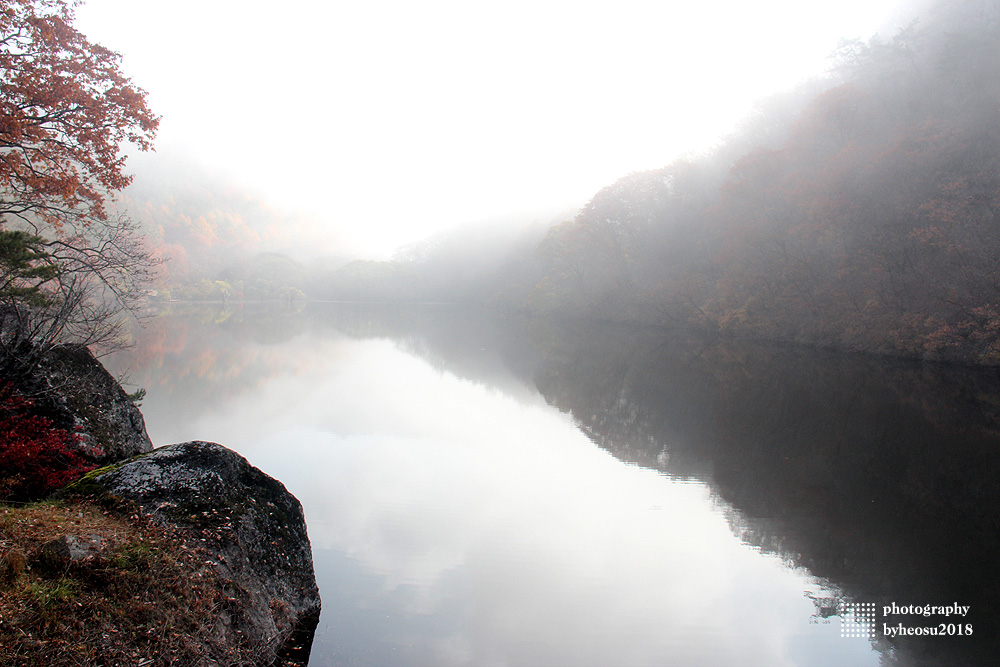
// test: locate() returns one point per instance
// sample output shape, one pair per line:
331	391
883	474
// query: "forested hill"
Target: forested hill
217	239
867	219
860	211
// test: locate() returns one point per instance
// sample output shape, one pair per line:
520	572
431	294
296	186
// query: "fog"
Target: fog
852	209
387	122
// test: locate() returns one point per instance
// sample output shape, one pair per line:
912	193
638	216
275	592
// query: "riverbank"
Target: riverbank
185	554
132	592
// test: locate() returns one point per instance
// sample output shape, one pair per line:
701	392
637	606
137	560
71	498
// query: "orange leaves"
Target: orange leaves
833	119
66	111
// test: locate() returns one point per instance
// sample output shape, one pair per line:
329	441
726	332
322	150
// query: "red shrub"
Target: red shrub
36	458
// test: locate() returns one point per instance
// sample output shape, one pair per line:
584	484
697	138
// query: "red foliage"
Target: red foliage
66	109
36	458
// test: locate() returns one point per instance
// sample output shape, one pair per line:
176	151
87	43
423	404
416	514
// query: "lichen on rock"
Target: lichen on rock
249	528
70	386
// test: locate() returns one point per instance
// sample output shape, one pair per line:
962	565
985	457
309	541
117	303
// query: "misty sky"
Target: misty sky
394	119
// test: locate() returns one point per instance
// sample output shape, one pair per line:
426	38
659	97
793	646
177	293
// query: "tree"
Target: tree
68	266
24	268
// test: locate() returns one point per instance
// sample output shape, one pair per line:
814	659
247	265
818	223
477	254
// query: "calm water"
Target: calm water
485	492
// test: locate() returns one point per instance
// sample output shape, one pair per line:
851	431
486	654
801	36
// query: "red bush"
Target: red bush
36	458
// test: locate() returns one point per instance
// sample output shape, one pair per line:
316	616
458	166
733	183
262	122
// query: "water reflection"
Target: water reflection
878	476
502	536
458	518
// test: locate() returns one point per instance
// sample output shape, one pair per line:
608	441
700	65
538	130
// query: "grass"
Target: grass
145	598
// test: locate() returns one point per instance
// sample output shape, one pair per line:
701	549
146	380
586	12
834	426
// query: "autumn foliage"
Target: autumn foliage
867	218
36	457
66	111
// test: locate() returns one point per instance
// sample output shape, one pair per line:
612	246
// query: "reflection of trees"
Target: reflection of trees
878	477
193	358
469	342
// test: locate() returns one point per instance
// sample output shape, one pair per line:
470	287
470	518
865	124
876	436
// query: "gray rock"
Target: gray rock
68	550
71	387
252	531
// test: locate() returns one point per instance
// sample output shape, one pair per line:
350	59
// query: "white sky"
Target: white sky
393	119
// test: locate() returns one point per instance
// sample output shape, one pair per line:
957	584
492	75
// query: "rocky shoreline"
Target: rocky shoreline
237	534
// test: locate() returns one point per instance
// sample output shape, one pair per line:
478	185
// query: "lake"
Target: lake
495	491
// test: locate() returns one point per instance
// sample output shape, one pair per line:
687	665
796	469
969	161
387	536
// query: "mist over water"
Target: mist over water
545	488
489	492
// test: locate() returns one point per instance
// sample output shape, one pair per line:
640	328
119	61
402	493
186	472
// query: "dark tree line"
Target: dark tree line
860	211
872	223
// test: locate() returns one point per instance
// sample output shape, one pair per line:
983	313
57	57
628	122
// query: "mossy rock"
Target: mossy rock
70	386
251	529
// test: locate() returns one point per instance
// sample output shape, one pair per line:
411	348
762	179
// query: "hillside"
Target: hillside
868	219
217	240
858	211
486	262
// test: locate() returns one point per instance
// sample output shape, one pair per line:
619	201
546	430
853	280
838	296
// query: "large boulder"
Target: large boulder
250	529
70	387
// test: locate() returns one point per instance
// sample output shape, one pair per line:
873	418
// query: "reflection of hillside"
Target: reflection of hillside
195	357
879	477
469	343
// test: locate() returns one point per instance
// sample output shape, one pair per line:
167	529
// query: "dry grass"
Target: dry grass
145	599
